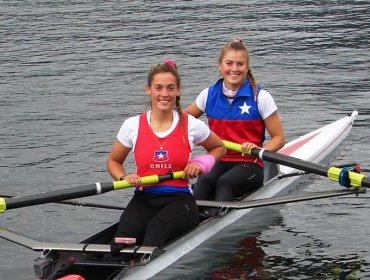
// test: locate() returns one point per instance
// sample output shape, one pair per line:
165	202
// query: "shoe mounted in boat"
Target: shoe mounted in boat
213	212
209	213
205	214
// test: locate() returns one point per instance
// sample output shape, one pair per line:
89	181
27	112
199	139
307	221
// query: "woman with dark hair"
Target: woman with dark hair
162	140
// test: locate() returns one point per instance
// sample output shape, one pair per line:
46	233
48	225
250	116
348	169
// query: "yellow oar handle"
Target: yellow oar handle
2	205
152	179
235	147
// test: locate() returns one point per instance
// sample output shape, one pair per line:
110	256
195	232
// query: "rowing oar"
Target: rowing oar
78	203
333	173
81	191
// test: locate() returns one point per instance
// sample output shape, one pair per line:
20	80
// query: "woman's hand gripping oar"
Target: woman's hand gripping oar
81	191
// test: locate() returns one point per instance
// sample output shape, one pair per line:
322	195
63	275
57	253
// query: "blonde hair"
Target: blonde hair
238	45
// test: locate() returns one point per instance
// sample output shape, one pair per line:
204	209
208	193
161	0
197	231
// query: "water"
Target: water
72	71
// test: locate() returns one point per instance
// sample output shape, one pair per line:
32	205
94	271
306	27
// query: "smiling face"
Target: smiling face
233	68
163	91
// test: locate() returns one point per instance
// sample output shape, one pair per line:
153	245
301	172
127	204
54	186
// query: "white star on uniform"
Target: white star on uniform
160	155
245	108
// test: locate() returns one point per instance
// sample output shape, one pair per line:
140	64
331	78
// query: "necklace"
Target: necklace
161	145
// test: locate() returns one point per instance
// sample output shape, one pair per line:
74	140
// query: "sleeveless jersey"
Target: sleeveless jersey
174	156
238	122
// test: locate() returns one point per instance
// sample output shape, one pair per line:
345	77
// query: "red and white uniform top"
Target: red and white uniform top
237	117
158	153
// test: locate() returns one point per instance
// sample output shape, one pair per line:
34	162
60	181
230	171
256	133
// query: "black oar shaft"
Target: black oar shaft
79	203
291	162
333	173
308	166
58	195
82	191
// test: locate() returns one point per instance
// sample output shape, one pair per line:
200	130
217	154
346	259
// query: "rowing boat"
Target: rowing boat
91	257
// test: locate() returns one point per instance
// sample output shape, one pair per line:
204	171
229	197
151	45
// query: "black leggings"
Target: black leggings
156	219
229	180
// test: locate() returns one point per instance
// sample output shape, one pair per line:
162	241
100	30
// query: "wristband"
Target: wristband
206	162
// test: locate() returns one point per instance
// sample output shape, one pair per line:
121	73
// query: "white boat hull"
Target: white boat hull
314	146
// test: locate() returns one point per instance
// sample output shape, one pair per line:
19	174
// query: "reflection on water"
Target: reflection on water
251	262
246	263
